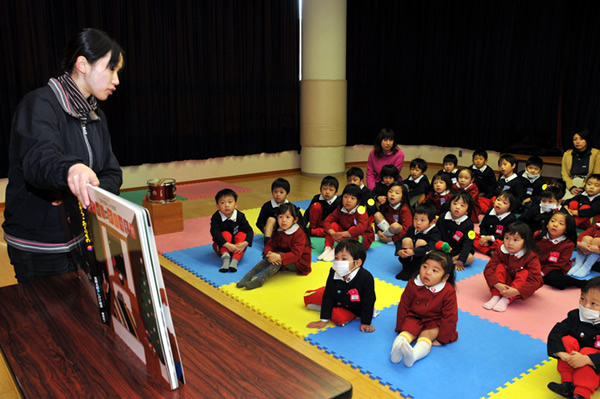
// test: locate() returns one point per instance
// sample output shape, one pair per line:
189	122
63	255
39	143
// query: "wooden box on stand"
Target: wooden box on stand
166	217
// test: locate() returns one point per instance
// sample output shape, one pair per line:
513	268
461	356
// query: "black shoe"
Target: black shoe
403	275
565	389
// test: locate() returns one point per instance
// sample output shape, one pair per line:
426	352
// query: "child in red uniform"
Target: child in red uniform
230	230
491	228
349	292
427	310
588	251
394	217
322	205
441	193
556	242
349	220
575	342
288	249
587	204
466	182
514	270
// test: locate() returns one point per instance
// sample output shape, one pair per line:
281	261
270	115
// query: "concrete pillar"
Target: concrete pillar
323	87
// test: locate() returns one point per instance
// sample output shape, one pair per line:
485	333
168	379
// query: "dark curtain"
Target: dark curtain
474	74
202	79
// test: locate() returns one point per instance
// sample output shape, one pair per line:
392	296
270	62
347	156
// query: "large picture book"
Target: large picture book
123	270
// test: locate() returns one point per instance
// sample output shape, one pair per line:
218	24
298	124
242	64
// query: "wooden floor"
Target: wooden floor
302	188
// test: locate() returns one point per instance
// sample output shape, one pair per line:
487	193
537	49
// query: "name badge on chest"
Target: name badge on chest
354	295
457	236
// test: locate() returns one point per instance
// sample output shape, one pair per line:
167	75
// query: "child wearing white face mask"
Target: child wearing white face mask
349	292
575	342
537	215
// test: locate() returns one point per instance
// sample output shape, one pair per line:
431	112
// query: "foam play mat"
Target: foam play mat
497	355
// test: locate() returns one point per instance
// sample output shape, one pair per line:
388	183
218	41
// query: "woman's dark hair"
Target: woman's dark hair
583	133
384	133
523	230
570	232
466	197
93	44
445	260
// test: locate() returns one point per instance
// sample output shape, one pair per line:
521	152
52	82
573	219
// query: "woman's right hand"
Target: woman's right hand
576	190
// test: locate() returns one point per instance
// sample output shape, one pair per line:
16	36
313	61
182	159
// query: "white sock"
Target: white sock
396	353
325	251
492	301
421	349
501	305
313	306
383	225
329	256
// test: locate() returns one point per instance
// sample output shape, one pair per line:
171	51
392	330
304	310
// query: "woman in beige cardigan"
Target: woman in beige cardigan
578	163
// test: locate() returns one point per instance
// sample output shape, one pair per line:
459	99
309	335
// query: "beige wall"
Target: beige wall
215	168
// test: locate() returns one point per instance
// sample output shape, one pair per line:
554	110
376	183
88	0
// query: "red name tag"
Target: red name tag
553	257
354	295
457	236
499	229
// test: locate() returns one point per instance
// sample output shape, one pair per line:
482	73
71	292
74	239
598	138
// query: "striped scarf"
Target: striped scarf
71	99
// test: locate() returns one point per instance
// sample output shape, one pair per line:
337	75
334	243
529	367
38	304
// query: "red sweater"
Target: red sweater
438	200
402	215
356	223
420	303
294	248
555	256
592	231
528	264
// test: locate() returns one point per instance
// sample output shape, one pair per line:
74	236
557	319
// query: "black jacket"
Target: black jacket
45	142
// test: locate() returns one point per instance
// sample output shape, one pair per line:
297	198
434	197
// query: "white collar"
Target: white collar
350	276
453	171
395	207
426	230
442	193
457	221
329	201
362	186
529	176
518	255
351	211
585	194
232	218
418	179
500	217
484	167
465	189
434	289
512	177
555	240
291	230
556	208
275	204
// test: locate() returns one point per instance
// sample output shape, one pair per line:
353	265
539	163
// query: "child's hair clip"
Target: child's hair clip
443	246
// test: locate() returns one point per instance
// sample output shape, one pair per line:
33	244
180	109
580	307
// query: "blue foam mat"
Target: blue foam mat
485	357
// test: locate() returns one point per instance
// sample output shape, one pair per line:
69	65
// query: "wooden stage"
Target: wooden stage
56	346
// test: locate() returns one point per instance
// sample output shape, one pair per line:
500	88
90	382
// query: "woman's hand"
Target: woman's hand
78	177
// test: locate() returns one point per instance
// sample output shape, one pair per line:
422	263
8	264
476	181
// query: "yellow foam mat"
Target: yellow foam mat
280	299
251	216
533	384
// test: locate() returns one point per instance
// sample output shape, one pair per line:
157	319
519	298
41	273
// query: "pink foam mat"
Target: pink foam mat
535	316
207	189
196	232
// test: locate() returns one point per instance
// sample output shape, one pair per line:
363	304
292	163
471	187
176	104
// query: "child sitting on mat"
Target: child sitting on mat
288	249
349	220
280	188
556	242
457	229
427	310
393	217
587	204
514	271
440	193
349	292
231	233
491	228
575	342
322	205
